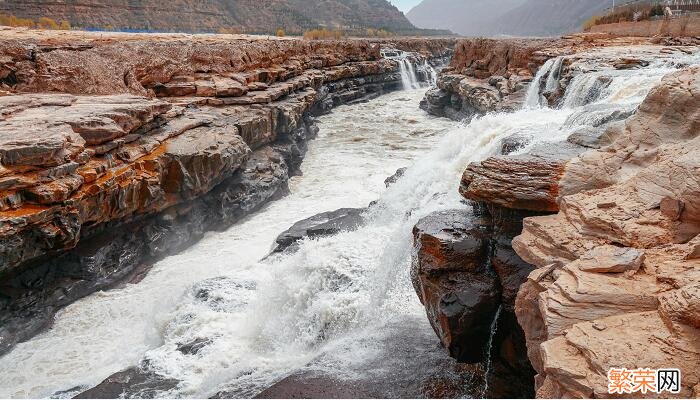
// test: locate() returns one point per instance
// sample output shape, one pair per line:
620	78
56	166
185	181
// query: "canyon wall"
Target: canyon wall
117	150
253	16
590	243
617	282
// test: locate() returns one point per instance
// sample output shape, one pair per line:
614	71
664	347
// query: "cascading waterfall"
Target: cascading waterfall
408	74
532	99
553	78
430	72
489	348
408	70
342	305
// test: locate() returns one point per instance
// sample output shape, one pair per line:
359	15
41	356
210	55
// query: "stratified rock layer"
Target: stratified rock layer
117	150
493	75
618	278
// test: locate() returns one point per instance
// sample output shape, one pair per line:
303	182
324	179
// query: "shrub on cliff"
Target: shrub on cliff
41	23
380	33
11	20
625	14
321	34
46	23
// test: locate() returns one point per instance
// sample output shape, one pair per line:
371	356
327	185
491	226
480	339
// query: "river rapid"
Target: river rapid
341	306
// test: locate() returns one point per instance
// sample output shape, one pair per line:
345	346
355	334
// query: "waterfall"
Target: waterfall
430	73
340	304
553	78
489	345
408	74
532	100
405	75
407	69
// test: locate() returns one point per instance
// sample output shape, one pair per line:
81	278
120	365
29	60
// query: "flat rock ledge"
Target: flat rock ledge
594	241
115	152
618	269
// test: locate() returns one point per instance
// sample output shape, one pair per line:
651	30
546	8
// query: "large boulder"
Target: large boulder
453	279
617	267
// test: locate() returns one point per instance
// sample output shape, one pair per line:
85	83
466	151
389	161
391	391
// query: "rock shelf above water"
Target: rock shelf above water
117	149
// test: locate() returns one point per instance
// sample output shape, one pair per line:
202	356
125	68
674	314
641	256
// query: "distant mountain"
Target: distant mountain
466	17
254	16
506	17
548	17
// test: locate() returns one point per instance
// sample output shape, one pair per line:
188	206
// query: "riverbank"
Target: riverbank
133	146
571	219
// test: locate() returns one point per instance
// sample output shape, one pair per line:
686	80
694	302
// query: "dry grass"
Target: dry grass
41	23
323	34
625	14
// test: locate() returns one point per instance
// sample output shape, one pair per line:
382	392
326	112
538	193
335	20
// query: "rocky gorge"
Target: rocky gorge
588	240
119	151
168	228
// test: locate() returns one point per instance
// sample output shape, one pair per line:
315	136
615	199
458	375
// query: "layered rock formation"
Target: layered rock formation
116	151
594	240
253	16
485	75
617	278
490	75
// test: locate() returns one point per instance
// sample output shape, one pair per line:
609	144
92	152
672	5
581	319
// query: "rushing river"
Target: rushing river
340	305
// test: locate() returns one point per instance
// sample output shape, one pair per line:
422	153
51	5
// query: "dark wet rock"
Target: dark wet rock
397	175
513	143
193	347
135	382
435	101
454	281
323	224
464	259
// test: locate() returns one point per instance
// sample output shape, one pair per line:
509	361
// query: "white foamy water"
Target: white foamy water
334	304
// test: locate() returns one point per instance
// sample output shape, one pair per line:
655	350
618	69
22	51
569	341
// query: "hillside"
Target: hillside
506	17
473	19
548	17
251	16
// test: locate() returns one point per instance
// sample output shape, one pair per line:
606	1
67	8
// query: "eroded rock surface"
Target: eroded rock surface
617	278
493	75
116	149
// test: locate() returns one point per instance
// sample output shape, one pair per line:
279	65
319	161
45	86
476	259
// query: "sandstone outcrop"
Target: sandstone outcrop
116	150
618	268
492	75
608	280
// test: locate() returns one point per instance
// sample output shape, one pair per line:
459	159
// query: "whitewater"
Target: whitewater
342	305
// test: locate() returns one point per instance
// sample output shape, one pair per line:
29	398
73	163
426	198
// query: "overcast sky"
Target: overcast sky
405	5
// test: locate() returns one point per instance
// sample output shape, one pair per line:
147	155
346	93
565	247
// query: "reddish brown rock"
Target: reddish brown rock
455	282
118	149
524	182
595	301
